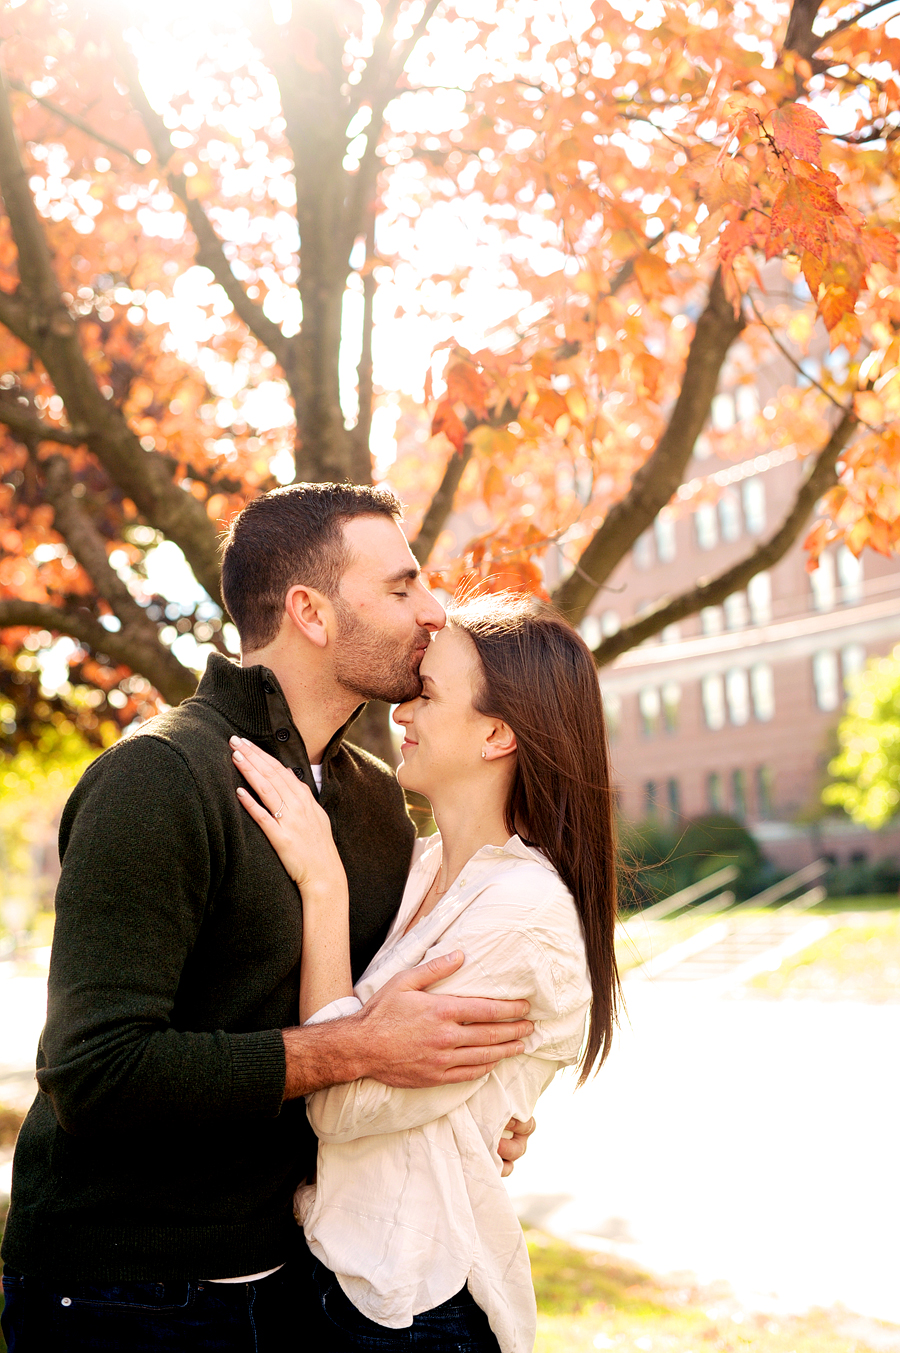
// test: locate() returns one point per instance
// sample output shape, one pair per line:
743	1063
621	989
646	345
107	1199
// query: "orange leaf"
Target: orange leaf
448	421
549	407
812	270
836	302
735	237
795	128
606	364
814	544
652	273
801	216
467	386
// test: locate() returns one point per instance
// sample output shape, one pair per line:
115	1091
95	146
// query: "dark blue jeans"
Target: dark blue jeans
269	1316
456	1326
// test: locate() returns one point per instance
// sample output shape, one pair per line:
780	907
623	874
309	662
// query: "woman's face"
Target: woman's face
443	732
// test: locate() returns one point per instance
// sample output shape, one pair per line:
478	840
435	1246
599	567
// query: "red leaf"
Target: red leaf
795	128
467	386
448	421
801	216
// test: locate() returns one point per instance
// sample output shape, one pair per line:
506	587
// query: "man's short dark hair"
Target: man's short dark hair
288	537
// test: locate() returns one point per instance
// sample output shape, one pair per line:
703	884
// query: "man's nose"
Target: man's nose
431	614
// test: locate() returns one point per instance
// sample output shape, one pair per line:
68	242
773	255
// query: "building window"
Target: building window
590	630
735	608
826	680
821	580
610	623
753	493
738	794
853	661
612	708
651	798
712	691
670	634
706	526
730	515
664	534
722	411
673	794
746	402
759	598
763	778
649	705
714	792
671	702
642	551
737	693
850	576
711	620
762	690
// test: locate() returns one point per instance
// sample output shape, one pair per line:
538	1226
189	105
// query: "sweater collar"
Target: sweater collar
252	700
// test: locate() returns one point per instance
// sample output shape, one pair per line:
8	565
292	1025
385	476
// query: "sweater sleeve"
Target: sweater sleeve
133	891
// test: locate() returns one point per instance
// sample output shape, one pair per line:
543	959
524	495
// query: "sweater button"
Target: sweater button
268	688
282	734
66	1301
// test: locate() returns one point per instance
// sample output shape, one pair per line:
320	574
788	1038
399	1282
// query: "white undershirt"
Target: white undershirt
255	1277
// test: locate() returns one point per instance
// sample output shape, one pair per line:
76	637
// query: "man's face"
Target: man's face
385	614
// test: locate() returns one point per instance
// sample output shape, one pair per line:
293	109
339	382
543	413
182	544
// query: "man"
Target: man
153	1179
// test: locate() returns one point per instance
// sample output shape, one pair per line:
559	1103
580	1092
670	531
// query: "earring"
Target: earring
483	754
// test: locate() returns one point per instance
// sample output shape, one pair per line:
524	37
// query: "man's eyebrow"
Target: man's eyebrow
405	575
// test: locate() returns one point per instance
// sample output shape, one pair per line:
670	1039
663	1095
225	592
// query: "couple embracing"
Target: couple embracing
269	1004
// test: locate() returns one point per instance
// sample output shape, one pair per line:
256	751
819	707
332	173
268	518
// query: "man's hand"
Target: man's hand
514	1143
413	1039
406	1037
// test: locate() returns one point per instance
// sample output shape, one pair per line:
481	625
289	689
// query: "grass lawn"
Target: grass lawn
859	960
589	1301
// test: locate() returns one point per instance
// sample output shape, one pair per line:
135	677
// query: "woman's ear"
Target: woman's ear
310	612
500	741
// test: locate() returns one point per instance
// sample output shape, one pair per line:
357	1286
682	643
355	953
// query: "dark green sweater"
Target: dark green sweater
158	1147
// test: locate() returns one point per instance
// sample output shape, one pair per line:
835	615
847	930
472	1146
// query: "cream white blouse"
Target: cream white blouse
409	1204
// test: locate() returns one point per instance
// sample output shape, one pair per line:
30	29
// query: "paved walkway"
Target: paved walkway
745	1139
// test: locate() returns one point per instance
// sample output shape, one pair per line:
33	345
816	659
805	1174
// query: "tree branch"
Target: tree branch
441	504
74	121
24	423
712	591
81	625
659	477
73	522
37	315
210	250
384	88
849	23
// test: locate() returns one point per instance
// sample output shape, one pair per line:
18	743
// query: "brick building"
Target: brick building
734	710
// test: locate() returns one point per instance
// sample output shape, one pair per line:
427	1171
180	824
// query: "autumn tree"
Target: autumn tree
866	771
207	210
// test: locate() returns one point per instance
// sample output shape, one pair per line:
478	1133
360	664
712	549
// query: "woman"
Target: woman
416	1241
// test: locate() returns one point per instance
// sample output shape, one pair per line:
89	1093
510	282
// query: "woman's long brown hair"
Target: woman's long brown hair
539	677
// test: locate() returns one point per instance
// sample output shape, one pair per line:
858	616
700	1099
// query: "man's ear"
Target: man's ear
310	612
500	741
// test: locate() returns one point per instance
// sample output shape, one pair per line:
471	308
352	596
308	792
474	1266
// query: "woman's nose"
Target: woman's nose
403	713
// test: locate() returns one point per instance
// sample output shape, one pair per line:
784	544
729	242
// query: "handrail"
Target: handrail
779	890
666	905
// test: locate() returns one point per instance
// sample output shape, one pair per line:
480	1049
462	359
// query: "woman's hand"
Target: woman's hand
290	817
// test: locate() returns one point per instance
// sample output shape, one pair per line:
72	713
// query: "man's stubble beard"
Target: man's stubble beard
369	664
